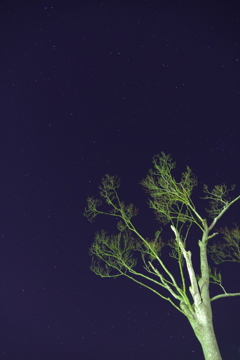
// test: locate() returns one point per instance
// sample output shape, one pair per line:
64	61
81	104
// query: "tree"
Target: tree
113	255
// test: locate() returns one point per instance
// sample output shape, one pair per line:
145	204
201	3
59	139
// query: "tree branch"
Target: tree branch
194	290
224	295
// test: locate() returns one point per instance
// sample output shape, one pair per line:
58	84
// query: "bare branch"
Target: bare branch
194	290
224	295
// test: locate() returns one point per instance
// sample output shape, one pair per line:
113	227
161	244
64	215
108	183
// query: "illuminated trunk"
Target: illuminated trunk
200	313
202	326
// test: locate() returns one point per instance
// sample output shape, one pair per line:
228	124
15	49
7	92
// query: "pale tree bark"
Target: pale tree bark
199	313
201	323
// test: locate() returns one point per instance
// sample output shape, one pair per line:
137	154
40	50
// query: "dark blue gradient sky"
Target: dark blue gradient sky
89	88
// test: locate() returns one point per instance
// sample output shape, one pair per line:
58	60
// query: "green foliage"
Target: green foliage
228	250
113	255
114	251
151	248
218	199
108	191
171	200
91	211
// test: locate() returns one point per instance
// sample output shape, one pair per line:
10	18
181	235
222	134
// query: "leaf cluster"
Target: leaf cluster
171	200
218	199
115	251
229	250
151	248
108	192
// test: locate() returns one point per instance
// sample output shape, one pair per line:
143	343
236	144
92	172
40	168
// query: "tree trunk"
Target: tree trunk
203	328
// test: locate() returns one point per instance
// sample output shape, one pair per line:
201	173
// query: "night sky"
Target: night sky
89	88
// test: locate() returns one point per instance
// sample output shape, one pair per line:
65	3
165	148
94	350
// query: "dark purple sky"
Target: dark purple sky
89	88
